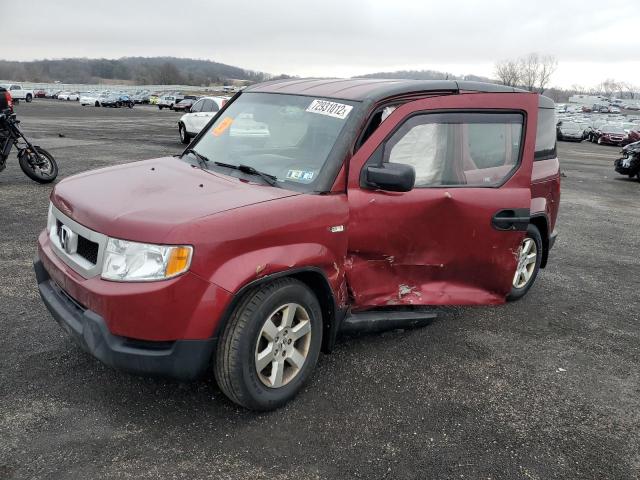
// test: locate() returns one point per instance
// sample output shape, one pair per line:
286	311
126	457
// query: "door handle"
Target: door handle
511	219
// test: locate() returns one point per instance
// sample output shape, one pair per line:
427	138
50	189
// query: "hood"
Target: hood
144	201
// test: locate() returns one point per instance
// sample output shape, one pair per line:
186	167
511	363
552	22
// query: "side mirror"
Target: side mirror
394	177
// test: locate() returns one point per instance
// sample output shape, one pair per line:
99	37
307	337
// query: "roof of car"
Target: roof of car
370	89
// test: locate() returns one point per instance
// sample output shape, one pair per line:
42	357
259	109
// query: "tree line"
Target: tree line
139	70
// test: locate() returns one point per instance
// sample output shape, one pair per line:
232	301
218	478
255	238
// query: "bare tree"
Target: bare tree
529	70
609	87
547	67
508	72
532	71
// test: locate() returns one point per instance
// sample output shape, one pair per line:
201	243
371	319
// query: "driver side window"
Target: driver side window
461	148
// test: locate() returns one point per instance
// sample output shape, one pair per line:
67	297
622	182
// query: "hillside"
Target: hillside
426	75
139	70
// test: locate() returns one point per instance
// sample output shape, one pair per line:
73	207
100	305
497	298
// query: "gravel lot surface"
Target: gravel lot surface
545	388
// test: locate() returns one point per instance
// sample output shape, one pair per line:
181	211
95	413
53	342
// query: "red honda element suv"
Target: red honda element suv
303	206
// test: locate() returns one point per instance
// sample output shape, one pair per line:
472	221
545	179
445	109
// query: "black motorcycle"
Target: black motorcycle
629	163
38	164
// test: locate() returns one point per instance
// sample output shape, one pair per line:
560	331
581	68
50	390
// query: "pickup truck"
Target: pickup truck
19	93
168	101
302	208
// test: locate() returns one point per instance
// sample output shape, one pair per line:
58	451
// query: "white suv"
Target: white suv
199	115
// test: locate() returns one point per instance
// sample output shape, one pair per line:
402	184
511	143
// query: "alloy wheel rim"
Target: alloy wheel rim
527	257
283	345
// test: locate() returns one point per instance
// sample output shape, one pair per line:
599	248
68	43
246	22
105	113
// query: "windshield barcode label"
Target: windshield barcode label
331	109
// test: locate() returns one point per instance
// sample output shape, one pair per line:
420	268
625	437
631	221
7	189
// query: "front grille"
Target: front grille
88	249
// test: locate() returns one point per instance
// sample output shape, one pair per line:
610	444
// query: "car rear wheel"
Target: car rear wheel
529	259
29	98
184	136
270	346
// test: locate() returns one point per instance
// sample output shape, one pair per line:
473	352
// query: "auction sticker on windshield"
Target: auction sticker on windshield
331	109
222	126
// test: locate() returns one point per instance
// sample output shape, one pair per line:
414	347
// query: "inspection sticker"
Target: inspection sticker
300	175
331	109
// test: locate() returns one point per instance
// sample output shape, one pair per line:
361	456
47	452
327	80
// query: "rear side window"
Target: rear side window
546	135
470	149
210	106
197	107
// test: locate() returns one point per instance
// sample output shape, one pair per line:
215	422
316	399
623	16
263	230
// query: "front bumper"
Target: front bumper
180	359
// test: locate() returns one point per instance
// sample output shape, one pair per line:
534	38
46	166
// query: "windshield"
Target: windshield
612	129
570	126
287	136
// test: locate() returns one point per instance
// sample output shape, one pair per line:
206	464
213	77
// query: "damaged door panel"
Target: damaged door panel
440	243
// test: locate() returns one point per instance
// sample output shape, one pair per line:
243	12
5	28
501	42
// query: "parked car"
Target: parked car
185	104
570	131
590	132
608	134
117	100
168	101
90	98
40	94
199	115
19	93
253	253
153	99
632	136
141	97
68	96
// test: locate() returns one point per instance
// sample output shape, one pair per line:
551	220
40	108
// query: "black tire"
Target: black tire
160	107
27	164
28	98
184	136
517	293
235	368
97	104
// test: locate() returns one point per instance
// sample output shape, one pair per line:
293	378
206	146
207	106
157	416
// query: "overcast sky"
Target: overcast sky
592	39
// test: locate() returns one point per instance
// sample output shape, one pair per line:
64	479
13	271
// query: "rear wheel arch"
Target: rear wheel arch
541	222
312	277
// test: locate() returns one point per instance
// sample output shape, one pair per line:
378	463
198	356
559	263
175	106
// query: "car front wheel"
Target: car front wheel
529	259
270	345
184	136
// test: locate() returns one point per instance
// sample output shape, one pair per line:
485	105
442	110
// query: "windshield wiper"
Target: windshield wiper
270	179
202	160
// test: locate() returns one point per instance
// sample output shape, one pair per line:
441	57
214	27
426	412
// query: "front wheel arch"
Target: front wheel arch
312	277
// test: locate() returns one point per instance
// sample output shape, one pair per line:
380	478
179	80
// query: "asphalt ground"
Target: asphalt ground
544	388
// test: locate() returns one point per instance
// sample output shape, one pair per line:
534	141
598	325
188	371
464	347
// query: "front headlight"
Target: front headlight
140	262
